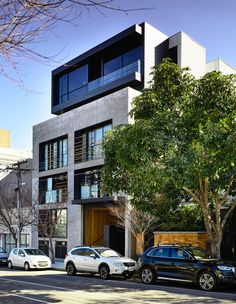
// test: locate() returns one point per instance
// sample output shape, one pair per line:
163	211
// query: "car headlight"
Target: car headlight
225	268
118	264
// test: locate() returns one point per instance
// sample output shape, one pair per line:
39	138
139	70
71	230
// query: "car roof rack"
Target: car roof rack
175	244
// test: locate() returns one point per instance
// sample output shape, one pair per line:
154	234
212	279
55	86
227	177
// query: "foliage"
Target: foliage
183	142
184	218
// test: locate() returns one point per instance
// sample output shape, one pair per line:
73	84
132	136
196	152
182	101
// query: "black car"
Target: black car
184	264
3	256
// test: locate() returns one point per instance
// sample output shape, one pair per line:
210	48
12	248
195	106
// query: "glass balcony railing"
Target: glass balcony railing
102	81
118	74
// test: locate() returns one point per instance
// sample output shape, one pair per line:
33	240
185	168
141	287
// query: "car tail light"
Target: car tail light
66	255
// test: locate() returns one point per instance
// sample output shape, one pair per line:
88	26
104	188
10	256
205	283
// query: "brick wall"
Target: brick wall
199	239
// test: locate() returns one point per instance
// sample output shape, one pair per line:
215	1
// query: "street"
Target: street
50	286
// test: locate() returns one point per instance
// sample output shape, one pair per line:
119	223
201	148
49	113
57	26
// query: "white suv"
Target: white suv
104	261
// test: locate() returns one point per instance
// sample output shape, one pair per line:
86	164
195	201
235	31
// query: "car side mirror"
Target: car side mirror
93	256
22	254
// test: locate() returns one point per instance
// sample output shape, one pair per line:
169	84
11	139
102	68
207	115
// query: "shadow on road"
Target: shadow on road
18	286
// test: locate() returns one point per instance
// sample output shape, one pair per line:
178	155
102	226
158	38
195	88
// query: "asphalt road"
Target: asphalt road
50	286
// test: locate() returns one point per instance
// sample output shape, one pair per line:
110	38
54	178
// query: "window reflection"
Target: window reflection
89	143
71	84
87	184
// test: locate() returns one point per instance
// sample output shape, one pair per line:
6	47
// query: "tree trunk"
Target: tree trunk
212	221
215	247
51	250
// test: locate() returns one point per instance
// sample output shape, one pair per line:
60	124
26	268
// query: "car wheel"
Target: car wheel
104	272
147	275
27	266
70	269
207	281
9	264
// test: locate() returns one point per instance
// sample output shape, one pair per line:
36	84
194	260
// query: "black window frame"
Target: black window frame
82	148
80	178
47	164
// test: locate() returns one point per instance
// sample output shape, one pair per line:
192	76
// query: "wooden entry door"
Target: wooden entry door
94	221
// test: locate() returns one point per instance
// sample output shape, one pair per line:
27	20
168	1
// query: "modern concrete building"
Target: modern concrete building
91	94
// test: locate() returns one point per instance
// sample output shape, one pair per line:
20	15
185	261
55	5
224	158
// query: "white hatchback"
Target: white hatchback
102	260
28	258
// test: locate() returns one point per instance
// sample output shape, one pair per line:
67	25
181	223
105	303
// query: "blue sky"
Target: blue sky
212	23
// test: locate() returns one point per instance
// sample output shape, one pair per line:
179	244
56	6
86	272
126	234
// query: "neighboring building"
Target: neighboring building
220	66
8	155
92	94
4	138
8	193
8	182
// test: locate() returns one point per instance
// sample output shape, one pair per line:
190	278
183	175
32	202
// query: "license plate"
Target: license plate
4	261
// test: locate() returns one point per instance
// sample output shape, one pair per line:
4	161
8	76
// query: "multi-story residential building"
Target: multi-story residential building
92	94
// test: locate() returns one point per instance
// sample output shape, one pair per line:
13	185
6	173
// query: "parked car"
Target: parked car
104	261
184	264
28	258
3	256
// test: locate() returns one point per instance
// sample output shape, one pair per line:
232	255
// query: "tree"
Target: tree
16	199
10	218
51	223
141	224
182	145
25	22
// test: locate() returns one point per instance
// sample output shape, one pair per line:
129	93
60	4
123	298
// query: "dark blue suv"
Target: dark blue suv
184	264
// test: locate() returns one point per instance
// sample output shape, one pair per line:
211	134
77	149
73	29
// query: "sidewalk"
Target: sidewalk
58	264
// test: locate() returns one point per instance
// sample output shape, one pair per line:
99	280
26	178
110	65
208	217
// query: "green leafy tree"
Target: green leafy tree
182	144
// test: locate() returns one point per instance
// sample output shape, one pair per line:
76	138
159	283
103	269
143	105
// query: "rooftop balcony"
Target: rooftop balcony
125	76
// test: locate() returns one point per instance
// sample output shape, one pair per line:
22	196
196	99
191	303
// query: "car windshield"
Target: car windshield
198	253
107	253
34	252
2	250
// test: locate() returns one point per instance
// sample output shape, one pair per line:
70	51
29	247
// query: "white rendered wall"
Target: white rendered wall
190	53
219	66
152	38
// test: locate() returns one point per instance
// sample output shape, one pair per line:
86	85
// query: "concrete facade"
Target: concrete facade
114	107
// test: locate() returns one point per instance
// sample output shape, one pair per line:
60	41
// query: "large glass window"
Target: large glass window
87	184
52	223
122	61
132	56
53	154
112	65
73	84
89	143
53	189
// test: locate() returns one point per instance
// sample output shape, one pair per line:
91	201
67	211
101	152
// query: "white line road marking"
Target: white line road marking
23	297
36	284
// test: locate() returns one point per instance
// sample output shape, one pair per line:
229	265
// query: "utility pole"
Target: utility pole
18	171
